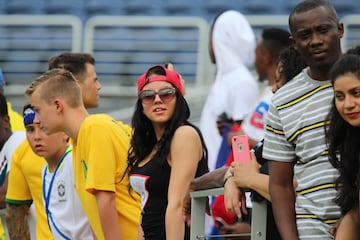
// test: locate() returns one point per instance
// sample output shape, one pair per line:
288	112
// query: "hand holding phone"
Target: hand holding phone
241	149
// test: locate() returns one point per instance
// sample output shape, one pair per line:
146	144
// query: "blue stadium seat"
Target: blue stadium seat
141	7
103	7
342	7
21	67
214	6
261	7
24	6
346	6
75	7
288	5
184	7
2	7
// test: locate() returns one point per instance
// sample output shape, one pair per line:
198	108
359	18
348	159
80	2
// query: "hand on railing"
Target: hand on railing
234	198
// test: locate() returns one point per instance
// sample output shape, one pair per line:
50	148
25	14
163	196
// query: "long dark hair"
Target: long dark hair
144	139
343	140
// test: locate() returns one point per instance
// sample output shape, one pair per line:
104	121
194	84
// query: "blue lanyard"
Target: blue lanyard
46	196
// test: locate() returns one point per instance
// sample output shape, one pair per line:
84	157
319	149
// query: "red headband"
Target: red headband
171	77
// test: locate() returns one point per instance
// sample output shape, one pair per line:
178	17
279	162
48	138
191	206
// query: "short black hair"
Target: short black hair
292	63
307	5
275	40
72	62
3	106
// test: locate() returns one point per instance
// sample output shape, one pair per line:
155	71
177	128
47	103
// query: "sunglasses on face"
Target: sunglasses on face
165	94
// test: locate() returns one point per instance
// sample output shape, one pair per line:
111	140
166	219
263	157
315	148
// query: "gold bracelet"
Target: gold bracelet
227	178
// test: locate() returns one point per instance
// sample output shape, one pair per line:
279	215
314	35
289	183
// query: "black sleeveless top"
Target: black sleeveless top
151	181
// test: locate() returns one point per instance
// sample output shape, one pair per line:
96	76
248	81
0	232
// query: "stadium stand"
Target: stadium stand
214	7
24	6
129	45
184	7
104	7
122	48
74	7
262	7
140	7
345	6
2	7
127	36
28	40
286	6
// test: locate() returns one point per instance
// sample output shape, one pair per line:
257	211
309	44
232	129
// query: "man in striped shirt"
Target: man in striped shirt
295	138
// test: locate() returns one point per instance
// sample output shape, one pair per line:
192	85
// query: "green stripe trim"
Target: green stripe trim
18	202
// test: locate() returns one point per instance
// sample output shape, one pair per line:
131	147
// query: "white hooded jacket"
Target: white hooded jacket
235	89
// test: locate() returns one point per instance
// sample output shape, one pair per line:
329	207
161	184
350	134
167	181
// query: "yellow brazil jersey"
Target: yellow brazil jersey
25	185
16	120
100	160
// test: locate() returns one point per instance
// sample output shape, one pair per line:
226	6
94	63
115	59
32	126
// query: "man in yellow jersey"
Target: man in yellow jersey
100	152
82	65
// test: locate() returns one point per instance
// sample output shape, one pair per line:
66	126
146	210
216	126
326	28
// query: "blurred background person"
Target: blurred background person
234	91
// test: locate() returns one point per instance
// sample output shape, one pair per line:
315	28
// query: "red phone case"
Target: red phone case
241	149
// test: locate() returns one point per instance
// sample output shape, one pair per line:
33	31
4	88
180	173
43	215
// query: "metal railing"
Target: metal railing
198	205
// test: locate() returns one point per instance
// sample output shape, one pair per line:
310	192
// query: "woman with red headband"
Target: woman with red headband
166	153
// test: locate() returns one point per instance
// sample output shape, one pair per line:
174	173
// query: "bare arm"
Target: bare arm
213	179
140	230
16	221
234	197
108	214
185	153
349	225
283	198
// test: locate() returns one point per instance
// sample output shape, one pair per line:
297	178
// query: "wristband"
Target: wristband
227	178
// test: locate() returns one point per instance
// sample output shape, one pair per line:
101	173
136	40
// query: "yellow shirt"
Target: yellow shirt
25	185
100	160
16	120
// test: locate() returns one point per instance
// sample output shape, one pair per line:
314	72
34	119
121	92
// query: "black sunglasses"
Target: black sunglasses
165	94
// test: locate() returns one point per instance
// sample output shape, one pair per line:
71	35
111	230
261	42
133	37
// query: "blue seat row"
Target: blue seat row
202	8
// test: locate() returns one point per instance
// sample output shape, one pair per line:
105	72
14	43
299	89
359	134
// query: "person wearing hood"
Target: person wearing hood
235	90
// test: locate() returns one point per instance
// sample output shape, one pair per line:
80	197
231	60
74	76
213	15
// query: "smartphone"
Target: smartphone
241	149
